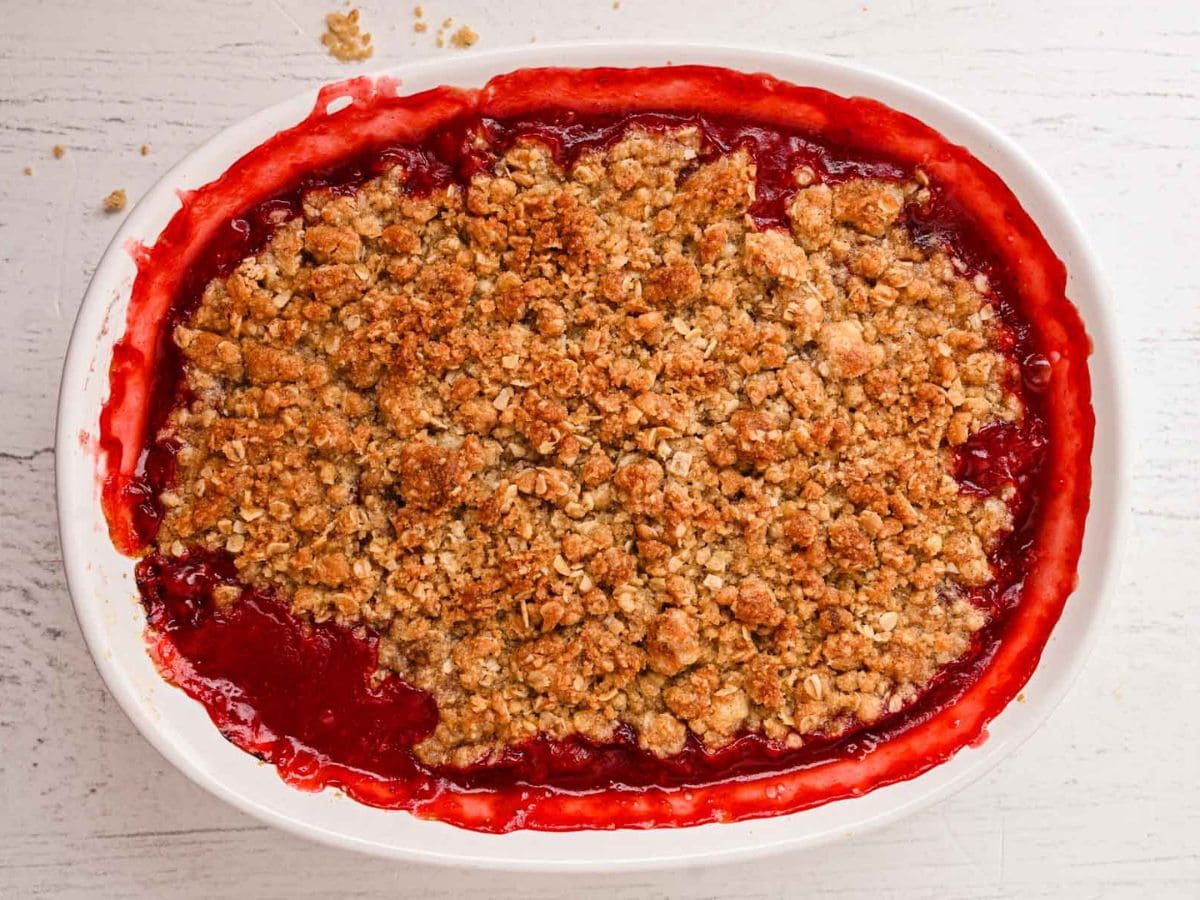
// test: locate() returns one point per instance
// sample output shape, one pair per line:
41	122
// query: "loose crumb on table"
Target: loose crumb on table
115	201
344	39
464	38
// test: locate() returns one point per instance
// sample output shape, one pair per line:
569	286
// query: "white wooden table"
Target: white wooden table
1102	802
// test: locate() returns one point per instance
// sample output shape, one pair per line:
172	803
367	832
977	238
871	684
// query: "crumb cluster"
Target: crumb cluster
115	201
344	39
586	448
464	37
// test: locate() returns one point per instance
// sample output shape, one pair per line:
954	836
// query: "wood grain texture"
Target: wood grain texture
1102	802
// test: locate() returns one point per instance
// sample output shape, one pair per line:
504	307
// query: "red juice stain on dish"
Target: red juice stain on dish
290	692
306	697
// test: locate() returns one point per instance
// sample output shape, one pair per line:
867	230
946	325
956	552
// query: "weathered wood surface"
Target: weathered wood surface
1103	801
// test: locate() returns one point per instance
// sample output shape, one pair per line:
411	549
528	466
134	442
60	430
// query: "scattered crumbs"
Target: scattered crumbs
28	170
59	151
1021	697
464	38
616	4
115	202
441	32
145	150
461	39
343	38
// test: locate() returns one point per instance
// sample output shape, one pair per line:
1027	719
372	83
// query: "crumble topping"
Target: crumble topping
586	449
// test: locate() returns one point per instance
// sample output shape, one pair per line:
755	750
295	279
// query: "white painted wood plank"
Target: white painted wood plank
1103	802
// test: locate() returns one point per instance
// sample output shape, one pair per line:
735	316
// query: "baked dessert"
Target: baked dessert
590	451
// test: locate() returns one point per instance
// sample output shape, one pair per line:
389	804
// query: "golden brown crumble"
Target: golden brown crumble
586	448
115	201
59	151
463	38
145	150
343	38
